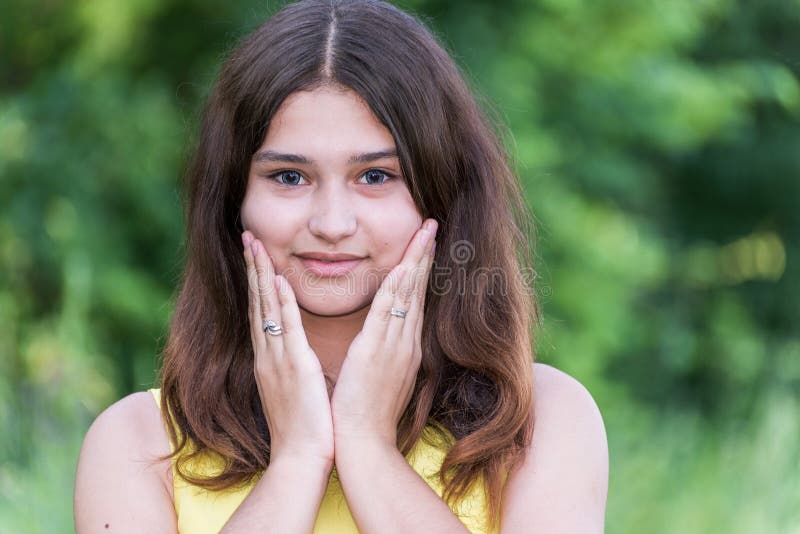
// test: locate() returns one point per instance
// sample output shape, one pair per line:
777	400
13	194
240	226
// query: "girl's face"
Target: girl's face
327	180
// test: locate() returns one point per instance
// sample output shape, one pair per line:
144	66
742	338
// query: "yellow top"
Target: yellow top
201	511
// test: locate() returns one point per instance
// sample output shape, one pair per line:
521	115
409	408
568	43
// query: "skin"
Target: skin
341	325
330	205
375	355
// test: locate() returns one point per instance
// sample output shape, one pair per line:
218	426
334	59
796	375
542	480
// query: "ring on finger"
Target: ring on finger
272	328
397	312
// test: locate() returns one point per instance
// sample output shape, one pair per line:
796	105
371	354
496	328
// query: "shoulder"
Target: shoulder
562	484
133	422
557	393
564	411
133	409
118	477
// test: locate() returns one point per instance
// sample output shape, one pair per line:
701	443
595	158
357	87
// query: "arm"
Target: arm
295	402
116	485
373	388
286	499
397	499
562	485
117	488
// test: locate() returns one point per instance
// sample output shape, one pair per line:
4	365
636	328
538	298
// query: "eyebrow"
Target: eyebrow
272	156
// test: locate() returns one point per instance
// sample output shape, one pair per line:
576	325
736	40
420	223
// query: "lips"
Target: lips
329	256
329	268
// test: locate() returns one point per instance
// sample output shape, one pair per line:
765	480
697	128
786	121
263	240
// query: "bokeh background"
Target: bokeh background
659	148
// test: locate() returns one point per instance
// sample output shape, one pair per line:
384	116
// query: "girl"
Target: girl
351	348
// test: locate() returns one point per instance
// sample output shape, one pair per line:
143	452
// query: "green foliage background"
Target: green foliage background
658	147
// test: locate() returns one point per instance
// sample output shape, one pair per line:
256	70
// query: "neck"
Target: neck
330	337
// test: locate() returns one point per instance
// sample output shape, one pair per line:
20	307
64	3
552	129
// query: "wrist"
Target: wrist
361	450
355	437
301	464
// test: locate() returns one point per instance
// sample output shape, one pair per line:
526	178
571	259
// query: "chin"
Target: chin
329	301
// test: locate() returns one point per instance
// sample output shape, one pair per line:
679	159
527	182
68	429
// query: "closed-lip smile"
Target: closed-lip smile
329	265
329	256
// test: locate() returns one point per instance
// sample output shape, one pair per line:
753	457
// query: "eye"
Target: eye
292	176
376	174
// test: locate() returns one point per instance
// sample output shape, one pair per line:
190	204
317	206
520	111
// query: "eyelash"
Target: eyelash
276	176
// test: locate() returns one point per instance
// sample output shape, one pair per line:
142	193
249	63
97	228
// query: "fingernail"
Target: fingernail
427	236
254	247
246	239
429	225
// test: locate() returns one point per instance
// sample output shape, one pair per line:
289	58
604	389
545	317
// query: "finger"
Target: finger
412	288
378	316
418	246
425	293
417	306
294	337
270	307
410	341
416	261
253	301
402	301
379	319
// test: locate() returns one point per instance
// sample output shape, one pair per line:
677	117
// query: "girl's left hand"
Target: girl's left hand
378	374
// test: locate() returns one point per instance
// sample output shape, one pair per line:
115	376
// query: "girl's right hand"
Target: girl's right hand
288	373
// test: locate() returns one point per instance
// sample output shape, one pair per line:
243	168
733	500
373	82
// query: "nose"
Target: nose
332	217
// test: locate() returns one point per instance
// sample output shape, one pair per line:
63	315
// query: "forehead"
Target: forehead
326	117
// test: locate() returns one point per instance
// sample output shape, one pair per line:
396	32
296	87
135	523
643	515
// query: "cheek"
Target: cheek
272	223
391	238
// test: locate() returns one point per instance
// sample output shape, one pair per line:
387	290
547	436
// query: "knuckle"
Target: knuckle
261	368
407	293
290	364
252	277
262	292
416	273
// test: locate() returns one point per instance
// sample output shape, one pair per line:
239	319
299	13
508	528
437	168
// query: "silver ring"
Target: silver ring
272	328
398	313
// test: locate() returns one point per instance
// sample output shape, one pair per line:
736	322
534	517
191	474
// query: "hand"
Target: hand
377	377
288	374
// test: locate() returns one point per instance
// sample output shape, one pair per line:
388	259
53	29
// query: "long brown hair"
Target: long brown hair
476	377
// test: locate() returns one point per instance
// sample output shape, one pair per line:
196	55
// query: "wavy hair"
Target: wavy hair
476	376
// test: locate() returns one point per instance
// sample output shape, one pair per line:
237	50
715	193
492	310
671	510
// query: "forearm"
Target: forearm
286	499
386	495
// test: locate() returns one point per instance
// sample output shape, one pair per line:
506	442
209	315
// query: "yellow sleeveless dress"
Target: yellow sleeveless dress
200	511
